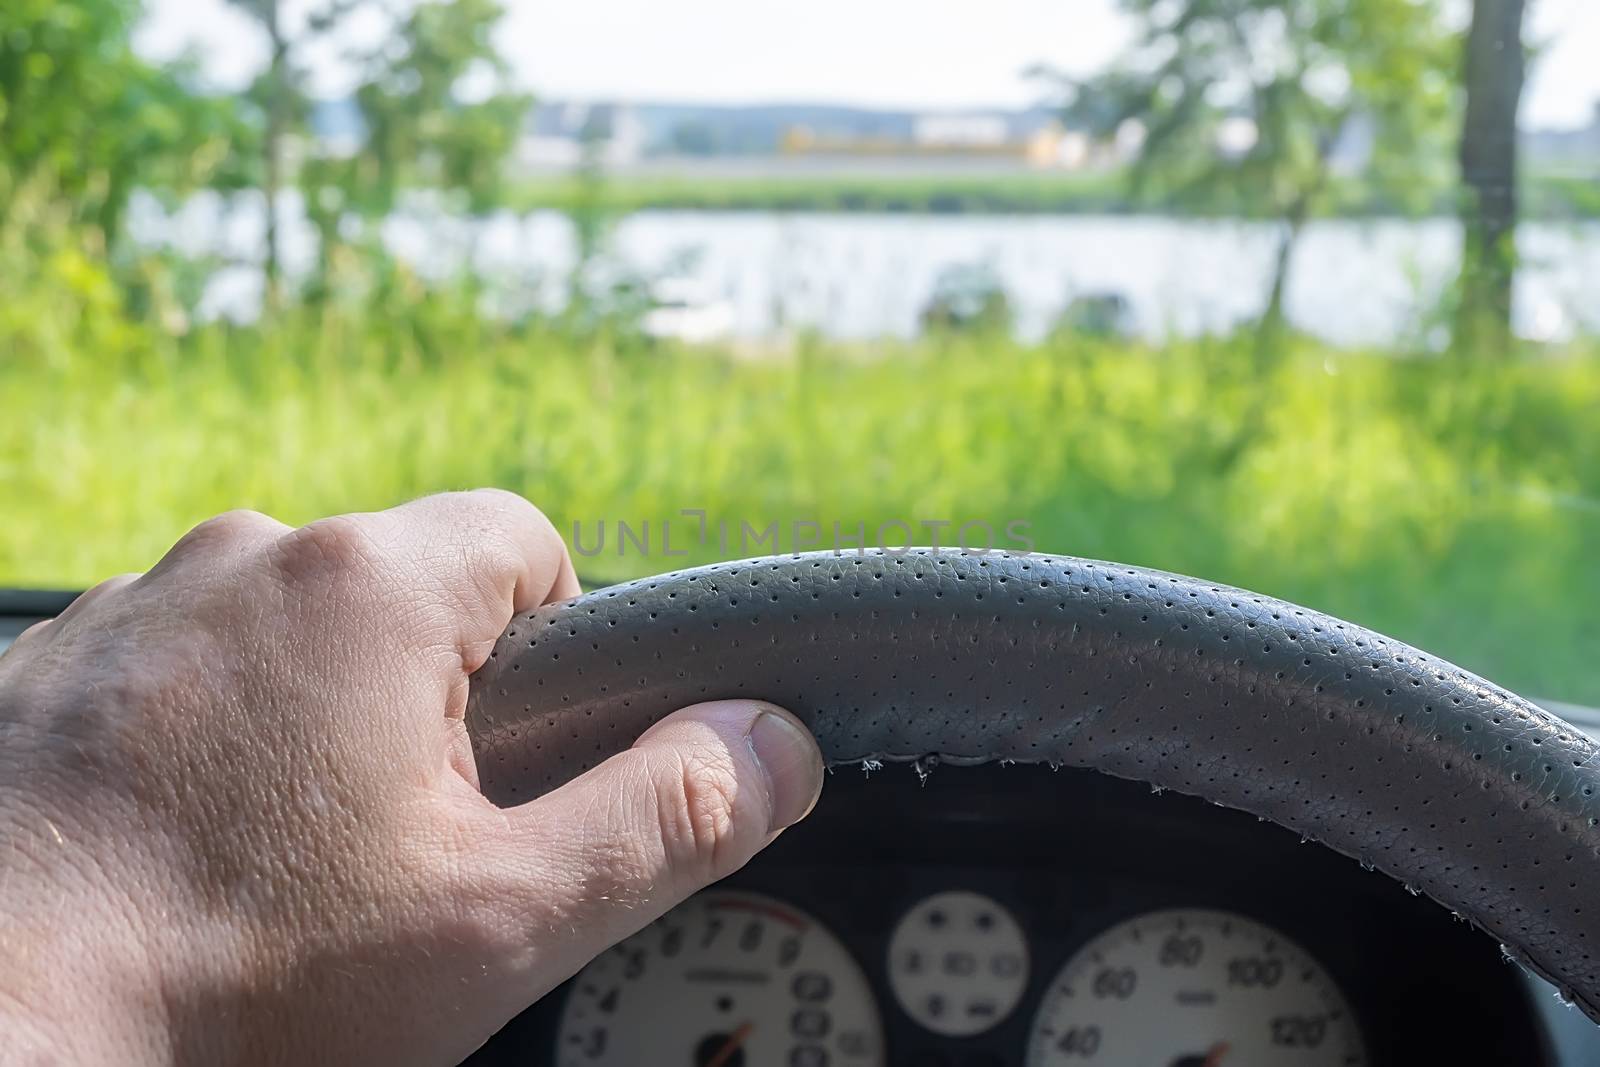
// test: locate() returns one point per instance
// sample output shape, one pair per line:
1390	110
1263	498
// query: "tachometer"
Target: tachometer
1194	989
725	980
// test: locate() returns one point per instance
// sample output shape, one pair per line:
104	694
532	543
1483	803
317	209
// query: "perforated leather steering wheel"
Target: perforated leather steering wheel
1451	785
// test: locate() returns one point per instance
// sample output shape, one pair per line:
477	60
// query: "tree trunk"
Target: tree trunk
1494	69
276	90
1274	320
1270	339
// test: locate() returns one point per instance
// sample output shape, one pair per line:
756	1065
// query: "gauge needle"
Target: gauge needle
1214	1057
735	1039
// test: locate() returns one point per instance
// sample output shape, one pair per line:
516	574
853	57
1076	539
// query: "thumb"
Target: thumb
699	794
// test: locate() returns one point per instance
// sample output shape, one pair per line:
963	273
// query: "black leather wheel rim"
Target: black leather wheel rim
1444	781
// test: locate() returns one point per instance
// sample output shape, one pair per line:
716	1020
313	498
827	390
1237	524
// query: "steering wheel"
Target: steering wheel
1406	763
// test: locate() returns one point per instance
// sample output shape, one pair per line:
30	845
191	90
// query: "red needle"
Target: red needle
737	1038
1214	1057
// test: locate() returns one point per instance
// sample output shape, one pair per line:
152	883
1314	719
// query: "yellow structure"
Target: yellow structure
1047	146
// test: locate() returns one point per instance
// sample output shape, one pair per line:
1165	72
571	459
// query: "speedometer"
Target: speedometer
724	980
1194	989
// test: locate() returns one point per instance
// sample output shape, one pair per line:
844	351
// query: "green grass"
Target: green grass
1106	192
933	194
1456	506
1563	196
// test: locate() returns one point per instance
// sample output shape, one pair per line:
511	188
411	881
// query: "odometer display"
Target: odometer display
1194	989
725	980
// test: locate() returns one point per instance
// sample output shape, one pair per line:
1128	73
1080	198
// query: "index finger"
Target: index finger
489	553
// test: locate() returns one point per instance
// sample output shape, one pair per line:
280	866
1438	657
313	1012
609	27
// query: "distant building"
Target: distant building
627	135
556	136
960	131
1033	138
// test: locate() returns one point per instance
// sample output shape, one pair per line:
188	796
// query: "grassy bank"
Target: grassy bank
1454	506
901	194
1545	197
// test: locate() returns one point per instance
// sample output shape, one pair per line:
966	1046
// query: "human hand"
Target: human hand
240	813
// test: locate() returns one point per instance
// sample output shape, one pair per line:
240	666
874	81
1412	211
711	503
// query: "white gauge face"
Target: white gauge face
1194	989
958	963
724	980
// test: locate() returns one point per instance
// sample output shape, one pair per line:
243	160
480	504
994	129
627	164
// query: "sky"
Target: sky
906	53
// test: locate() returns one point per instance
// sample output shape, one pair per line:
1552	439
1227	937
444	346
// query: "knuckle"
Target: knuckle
29	640
324	550
491	555
496	497
240	526
112	584
698	805
99	597
506	505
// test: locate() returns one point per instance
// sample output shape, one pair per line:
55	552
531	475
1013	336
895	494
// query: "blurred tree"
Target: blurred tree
272	93
967	298
1256	106
279	97
437	112
81	112
1493	71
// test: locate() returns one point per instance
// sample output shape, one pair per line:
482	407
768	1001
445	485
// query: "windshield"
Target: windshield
1296	295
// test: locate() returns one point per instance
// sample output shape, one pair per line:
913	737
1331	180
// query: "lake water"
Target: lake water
868	276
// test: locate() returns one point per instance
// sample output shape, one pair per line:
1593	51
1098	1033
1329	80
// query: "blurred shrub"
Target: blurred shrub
967	297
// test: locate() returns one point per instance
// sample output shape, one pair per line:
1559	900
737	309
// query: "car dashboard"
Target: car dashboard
974	916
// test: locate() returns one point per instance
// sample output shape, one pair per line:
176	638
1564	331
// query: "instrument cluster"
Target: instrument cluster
999	916
733	978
